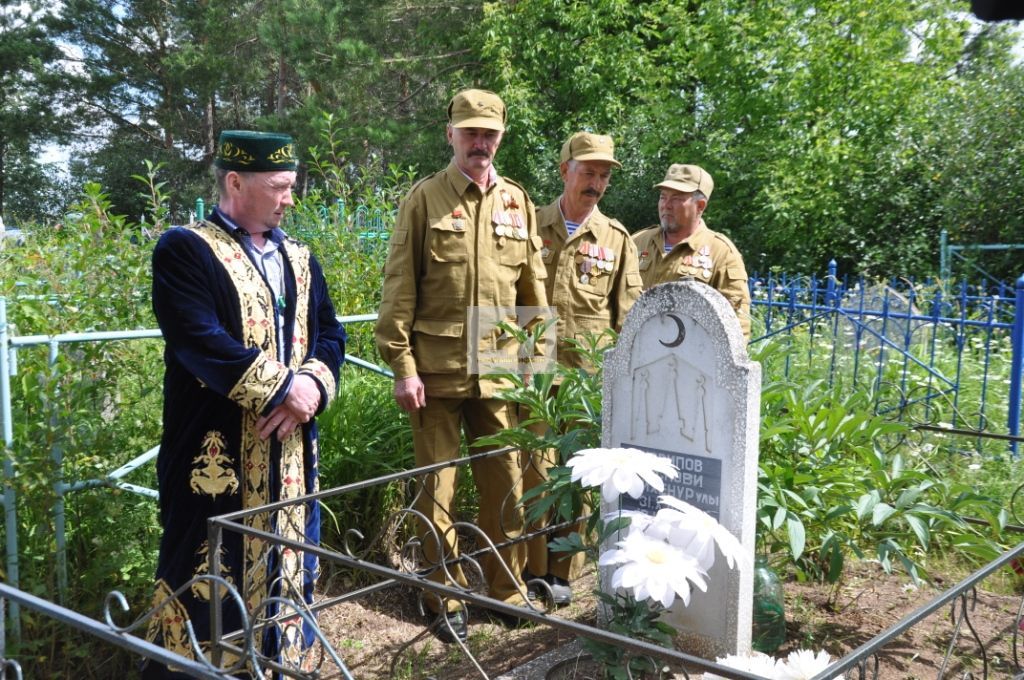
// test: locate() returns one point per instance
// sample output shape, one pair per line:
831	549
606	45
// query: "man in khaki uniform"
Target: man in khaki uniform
465	237
592	281
684	246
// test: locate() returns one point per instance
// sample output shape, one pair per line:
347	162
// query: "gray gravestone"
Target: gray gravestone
679	383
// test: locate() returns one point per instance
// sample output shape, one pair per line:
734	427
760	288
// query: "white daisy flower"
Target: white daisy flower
804	664
756	663
652	569
639	521
696	532
619	471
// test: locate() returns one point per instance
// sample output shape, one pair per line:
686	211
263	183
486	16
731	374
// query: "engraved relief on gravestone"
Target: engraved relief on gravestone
680	384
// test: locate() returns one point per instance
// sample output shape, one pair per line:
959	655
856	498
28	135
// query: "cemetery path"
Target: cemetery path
368	634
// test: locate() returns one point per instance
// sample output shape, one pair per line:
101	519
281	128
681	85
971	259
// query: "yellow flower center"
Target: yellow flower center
656	556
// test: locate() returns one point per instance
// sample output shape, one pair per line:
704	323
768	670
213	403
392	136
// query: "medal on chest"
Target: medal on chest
507	220
458	224
702	261
593	260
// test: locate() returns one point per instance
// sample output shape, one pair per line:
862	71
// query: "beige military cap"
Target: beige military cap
586	146
476	109
687	178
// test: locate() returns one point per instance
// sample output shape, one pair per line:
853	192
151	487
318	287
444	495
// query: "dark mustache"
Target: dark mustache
592	192
479	153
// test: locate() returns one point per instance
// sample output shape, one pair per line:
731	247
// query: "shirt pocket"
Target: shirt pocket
447	244
736	274
443	278
596	286
437	345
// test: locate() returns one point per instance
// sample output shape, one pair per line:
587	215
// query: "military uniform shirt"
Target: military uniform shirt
706	255
448	254
592	276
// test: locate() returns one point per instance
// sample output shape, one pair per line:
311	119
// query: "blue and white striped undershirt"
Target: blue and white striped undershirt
571	227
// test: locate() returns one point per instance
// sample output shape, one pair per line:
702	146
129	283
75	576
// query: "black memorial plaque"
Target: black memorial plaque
699	483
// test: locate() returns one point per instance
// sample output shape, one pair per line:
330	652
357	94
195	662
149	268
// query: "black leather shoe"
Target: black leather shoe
561	591
534	589
548	587
451	627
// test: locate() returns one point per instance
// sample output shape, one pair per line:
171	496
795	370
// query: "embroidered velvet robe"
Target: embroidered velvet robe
224	370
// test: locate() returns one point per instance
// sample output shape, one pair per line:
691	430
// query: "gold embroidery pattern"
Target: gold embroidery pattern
299	256
230	152
215	476
255	491
286	154
264	377
319	370
291	521
201	589
258	385
168	623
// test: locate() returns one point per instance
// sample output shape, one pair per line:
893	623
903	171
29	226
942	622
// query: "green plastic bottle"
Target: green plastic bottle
769	610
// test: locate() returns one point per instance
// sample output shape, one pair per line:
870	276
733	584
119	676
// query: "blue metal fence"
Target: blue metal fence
915	344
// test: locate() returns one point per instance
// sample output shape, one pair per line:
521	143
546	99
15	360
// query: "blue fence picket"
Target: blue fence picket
916	334
1016	365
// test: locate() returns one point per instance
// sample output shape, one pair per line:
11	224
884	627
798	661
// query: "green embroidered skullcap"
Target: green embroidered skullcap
247	151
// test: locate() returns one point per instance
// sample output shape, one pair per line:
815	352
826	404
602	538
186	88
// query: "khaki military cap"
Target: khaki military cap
586	146
477	109
687	178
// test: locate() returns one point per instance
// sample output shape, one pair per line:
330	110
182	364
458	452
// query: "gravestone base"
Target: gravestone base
545	665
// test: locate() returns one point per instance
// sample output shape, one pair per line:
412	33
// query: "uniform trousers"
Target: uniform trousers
436	437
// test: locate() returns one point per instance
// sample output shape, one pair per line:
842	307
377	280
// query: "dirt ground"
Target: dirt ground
384	636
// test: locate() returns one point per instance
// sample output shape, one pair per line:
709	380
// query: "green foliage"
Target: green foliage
95	407
30	80
857	130
563	414
363	435
835	481
635	620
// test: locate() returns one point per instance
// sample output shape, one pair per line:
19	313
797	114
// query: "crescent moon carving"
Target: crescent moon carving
680	335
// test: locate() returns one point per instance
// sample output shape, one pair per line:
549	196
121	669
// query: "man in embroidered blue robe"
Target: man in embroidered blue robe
253	350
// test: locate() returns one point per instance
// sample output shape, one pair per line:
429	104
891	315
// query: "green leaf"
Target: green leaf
920	528
795	531
881	512
866	503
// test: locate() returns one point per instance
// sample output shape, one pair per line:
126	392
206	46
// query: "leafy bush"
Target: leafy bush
835	481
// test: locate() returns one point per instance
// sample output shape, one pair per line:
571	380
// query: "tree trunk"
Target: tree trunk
3	175
279	108
209	138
